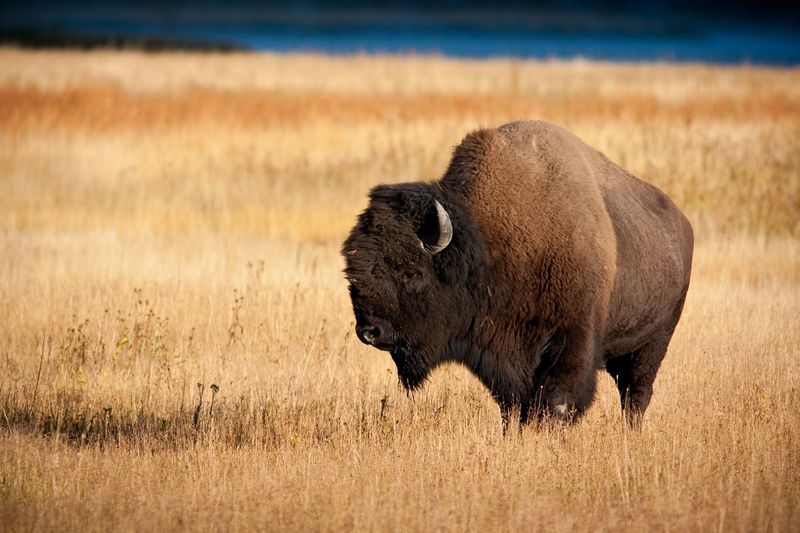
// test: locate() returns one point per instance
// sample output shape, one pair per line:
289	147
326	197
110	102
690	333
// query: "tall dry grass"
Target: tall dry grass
175	340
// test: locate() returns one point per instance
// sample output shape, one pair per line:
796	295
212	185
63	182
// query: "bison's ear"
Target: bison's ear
436	230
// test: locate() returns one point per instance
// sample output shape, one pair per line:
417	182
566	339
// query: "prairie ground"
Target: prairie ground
176	346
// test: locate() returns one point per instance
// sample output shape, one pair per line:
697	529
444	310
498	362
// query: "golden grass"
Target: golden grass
319	131
174	220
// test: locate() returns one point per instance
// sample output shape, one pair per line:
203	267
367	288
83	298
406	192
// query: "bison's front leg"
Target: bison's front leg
507	410
505	415
566	378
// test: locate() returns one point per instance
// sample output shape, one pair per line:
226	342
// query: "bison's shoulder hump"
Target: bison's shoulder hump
470	156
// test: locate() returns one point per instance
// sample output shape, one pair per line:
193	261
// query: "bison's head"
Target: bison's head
408	260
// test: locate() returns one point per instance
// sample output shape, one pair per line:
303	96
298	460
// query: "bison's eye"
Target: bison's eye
411	274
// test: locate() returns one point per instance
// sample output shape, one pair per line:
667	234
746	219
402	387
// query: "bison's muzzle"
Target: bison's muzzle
376	333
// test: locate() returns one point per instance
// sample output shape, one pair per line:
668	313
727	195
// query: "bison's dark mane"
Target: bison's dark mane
466	258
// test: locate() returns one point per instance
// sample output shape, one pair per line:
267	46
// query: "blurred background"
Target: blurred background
177	345
762	32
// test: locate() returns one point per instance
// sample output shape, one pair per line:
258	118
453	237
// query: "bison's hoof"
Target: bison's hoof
563	412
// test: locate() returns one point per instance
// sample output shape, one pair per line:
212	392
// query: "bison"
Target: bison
534	261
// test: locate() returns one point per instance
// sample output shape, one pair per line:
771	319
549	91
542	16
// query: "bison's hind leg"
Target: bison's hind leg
634	374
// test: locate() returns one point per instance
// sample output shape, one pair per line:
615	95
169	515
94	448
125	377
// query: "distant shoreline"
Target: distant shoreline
713	46
42	40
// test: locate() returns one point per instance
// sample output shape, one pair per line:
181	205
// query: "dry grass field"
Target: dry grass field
176	345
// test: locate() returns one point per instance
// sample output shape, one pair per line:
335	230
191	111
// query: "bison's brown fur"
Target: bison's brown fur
561	263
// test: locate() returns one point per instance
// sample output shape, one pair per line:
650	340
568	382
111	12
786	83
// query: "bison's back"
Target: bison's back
544	220
543	197
653	240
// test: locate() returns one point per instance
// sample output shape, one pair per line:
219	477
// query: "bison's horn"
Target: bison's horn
445	231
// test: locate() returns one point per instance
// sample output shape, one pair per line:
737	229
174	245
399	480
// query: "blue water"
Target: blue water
715	47
694	42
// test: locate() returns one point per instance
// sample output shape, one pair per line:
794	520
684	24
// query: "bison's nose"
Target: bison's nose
369	334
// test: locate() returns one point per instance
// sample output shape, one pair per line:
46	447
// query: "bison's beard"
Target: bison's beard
411	368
